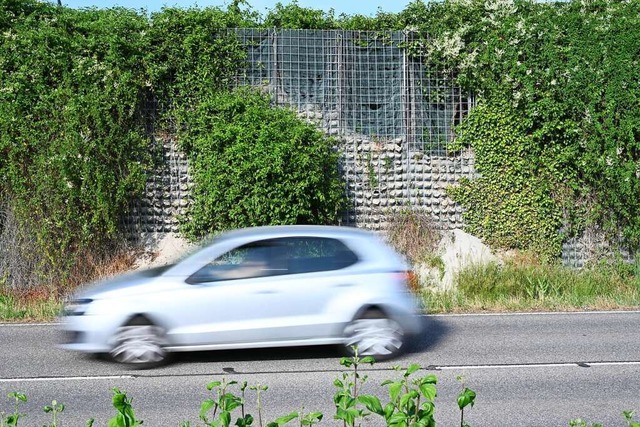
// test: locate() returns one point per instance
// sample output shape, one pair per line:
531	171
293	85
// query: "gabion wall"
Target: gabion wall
391	117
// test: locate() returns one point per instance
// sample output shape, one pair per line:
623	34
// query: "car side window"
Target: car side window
274	257
313	254
253	260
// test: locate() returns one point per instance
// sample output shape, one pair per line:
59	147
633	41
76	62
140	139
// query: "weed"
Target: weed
347	398
413	234
467	397
11	420
55	408
411	403
125	416
628	415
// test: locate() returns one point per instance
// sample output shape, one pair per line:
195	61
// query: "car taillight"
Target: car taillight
411	280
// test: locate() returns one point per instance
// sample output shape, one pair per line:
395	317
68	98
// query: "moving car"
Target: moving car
257	287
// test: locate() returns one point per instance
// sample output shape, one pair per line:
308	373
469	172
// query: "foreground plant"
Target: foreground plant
411	400
411	403
467	397
11	420
126	416
346	398
628	415
55	408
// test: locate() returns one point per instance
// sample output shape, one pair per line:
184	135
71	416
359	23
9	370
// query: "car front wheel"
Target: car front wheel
374	334
139	345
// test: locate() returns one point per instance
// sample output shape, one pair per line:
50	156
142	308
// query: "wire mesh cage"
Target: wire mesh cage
393	116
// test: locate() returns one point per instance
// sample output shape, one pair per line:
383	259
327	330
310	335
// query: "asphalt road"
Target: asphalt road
527	370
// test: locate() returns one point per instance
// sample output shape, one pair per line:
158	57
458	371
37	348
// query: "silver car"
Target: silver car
257	287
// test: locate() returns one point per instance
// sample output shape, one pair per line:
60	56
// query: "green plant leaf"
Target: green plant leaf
466	397
411	369
395	389
286	418
206	406
372	403
429	391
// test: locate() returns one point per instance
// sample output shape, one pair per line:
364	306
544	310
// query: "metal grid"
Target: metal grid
393	117
365	80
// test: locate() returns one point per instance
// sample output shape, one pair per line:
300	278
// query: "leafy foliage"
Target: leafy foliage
256	165
192	53
72	144
511	204
556	135
294	16
568	72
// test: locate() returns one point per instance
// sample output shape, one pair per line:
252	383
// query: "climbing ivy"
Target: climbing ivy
511	204
567	73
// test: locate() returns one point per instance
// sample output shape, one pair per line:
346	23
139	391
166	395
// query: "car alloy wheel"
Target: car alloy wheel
374	334
140	346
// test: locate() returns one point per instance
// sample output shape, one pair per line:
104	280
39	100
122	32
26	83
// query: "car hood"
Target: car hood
126	284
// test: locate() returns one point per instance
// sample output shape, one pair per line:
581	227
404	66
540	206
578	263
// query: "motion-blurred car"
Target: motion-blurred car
258	287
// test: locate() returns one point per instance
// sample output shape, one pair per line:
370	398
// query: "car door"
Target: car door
269	291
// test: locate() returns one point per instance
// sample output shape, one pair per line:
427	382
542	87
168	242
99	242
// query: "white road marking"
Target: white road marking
534	365
426	368
533	313
36	379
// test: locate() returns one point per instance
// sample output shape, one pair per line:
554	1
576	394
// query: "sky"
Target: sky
349	7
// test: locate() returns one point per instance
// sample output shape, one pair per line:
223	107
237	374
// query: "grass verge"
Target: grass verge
514	287
511	287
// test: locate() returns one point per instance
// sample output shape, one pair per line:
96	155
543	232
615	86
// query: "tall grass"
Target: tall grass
516	286
43	303
31	307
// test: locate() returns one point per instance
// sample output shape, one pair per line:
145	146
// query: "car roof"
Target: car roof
296	230
379	251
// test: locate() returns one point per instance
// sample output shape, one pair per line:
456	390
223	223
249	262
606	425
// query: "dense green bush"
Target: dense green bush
72	143
256	165
569	73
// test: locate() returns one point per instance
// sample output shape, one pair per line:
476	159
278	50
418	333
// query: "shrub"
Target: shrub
72	142
253	164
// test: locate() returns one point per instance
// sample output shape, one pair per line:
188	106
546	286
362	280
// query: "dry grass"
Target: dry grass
43	303
32	287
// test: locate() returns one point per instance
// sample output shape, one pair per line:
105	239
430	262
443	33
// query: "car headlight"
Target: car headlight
76	307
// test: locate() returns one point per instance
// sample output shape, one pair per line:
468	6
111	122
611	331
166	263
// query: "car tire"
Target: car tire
139	344
374	334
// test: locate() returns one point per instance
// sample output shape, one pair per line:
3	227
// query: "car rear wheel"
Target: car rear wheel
374	334
139	344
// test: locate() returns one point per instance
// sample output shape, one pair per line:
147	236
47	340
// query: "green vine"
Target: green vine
72	141
510	205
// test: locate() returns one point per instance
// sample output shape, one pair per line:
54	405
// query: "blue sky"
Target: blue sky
350	7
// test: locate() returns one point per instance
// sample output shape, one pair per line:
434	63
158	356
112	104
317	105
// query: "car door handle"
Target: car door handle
265	292
343	285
